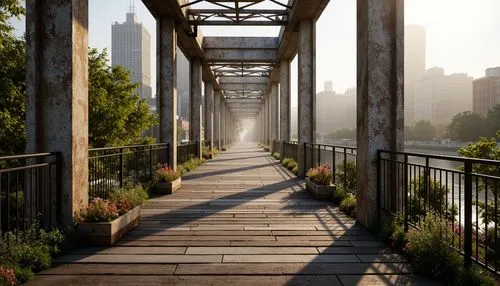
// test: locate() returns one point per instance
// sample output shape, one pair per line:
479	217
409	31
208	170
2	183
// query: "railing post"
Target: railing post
121	168
345	168
379	186
151	162
405	195
58	188
319	155
334	169
468	214
305	158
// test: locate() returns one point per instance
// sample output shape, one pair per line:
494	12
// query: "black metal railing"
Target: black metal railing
290	150
340	159
186	151
206	143
117	166
462	190
30	191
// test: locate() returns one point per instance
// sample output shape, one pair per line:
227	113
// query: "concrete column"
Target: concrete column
222	123
217	137
275	111
166	70
285	100
380	105
57	93
209	113
307	88
266	120
195	101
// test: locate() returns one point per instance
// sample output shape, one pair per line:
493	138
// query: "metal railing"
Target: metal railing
290	150
464	191
275	147
186	151
30	191
117	166
340	159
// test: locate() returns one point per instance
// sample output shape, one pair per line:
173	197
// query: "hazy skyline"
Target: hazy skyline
461	35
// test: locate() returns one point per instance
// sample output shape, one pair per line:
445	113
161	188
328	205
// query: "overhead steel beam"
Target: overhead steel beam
240	55
243	80
242	86
256	43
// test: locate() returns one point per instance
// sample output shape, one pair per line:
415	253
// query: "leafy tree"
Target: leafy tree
8	10
342	134
493	121
467	126
117	115
423	130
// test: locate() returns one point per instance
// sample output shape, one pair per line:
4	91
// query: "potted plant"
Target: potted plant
167	180
319	182
207	153
105	221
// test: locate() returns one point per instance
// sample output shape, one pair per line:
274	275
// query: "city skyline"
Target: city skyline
455	40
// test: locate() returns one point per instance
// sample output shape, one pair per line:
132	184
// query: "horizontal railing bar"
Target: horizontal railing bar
129	146
26	167
27	156
444	157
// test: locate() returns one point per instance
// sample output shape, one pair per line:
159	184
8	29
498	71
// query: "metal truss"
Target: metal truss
237	12
241	69
242	94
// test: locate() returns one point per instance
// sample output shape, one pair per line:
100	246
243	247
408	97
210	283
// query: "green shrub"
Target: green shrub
276	155
135	195
348	205
23	275
430	252
285	162
165	174
349	169
99	210
321	175
339	195
181	170
34	257
266	149
476	276
295	170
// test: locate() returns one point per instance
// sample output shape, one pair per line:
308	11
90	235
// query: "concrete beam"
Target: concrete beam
380	108
57	98
243	86
240	55
241	43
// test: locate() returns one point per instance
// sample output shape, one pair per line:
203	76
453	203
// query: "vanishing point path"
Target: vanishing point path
240	219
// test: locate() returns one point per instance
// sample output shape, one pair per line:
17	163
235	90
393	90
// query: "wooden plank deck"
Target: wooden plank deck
239	219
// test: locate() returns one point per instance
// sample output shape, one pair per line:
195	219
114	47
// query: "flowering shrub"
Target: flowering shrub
100	210
321	175
166	174
7	276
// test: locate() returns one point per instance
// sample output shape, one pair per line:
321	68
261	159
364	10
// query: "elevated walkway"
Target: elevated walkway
240	219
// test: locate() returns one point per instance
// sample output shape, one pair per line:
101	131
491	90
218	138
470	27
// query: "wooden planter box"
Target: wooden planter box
107	233
168	188
209	157
320	192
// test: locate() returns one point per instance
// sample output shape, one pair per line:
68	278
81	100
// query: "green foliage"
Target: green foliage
31	251
12	89
285	161
348	205
476	277
349	169
266	149
192	164
134	195
117	115
206	153
430	252
9	9
422	130
99	210
295	170
339	195
291	165
181	170
485	148
166	174
321	175
468	126
342	134
276	155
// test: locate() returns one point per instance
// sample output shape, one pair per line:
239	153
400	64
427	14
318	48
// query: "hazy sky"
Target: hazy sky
462	35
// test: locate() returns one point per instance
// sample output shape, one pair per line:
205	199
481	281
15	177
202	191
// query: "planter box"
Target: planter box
107	233
209	157
320	192
168	188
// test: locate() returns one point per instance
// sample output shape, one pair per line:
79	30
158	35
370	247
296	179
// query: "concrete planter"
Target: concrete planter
320	192
168	188
107	233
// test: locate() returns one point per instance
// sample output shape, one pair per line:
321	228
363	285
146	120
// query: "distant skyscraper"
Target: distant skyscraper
414	66
486	91
131	47
439	97
335	111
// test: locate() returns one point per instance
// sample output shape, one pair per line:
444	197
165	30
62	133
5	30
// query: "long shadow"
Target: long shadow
316	272
236	159
223	172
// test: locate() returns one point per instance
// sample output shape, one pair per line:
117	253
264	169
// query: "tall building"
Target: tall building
439	97
131	47
335	111
414	66
486	91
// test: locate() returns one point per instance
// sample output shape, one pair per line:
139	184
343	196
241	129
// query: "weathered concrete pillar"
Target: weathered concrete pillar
285	100
307	88
195	102
223	123
275	111
266	120
166	70
209	113
57	93
380	105
217	137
